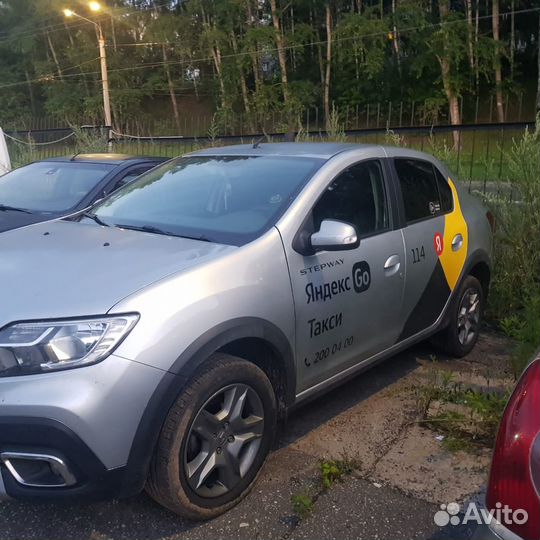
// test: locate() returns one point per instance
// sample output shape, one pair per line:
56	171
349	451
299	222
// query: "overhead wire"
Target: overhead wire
191	61
105	15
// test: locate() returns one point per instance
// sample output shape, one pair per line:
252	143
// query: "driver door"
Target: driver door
348	302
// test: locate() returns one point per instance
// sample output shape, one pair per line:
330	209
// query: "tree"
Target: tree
448	47
269	60
328	68
538	83
282	56
497	60
162	29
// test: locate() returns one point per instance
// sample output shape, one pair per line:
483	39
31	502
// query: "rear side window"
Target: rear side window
419	188
447	201
130	176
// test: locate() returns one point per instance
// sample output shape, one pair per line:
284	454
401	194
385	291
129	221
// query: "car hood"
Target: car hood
71	269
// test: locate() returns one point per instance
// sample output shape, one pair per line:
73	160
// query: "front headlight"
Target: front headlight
35	347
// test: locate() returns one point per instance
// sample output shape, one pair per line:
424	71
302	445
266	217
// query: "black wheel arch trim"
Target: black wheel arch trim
479	256
182	370
227	332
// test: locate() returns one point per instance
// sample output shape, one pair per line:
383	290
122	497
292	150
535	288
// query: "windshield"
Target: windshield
229	200
49	186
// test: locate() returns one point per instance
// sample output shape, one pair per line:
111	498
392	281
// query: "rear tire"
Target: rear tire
459	337
215	439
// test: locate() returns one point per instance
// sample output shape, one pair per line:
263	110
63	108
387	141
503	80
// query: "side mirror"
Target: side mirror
334	236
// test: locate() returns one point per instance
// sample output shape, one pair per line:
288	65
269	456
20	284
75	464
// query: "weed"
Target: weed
334	127
21	154
302	504
515	291
512	326
391	138
458	444
468	417
213	130
487	407
439	387
88	141
333	471
303	135
441	150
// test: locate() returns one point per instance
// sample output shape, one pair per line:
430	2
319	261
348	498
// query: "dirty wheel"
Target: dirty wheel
461	334
215	439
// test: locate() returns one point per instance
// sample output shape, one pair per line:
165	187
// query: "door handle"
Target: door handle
457	242
392	264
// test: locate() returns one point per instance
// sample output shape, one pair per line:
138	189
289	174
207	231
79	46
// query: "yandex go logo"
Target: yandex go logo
361	281
361	276
438	243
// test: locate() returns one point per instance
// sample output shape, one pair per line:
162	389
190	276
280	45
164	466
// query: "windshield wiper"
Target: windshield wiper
201	238
93	217
157	230
144	228
4	207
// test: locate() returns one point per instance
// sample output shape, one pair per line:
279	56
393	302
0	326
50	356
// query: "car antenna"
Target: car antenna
258	142
74	156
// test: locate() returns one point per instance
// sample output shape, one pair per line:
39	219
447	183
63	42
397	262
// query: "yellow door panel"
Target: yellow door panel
454	225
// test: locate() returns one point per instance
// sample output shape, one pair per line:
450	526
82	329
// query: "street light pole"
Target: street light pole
104	79
94	6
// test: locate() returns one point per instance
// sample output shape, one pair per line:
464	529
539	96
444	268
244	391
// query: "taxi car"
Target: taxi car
513	491
156	340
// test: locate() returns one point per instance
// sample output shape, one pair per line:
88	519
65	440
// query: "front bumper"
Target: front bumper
86	418
44	437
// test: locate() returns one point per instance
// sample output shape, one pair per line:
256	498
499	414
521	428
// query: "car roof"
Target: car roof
321	150
113	159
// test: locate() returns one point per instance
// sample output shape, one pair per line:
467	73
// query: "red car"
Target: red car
513	494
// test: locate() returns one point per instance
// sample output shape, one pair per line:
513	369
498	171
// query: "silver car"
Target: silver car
156	340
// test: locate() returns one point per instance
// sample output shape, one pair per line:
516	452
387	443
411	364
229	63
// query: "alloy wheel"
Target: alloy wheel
468	316
224	440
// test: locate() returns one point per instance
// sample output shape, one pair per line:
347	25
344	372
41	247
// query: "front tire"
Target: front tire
461	334
215	439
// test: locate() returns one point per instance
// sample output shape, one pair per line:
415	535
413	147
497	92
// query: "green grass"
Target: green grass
331	471
468	417
302	504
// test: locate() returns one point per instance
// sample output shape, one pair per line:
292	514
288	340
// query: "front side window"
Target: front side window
50	186
224	199
356	196
419	188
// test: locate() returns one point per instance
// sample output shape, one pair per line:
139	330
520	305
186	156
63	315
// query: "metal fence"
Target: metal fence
473	109
480	158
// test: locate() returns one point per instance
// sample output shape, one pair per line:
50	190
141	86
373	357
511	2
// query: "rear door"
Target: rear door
435	239
348	303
